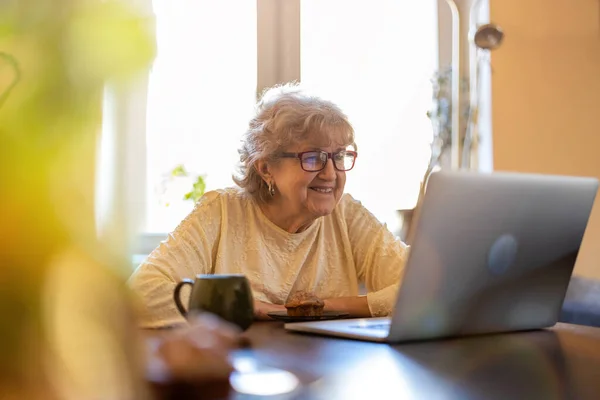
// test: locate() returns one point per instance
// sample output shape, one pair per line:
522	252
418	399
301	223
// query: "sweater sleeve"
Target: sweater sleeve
379	257
187	252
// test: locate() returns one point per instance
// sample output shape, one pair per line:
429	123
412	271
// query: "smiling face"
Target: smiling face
313	194
289	120
301	195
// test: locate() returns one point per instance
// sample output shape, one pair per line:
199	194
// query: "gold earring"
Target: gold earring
271	189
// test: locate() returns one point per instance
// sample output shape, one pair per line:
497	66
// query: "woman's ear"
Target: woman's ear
264	170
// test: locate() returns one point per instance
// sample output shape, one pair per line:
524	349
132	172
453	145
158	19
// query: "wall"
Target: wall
546	96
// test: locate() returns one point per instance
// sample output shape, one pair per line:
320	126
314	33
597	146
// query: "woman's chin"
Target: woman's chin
322	208
321	204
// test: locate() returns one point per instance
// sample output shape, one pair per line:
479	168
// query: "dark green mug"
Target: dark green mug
228	296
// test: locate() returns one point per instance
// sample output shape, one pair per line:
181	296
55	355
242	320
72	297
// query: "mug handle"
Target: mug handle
177	298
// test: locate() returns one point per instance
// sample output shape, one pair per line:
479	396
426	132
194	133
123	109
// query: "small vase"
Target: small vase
406	217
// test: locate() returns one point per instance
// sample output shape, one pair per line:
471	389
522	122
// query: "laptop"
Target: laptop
489	253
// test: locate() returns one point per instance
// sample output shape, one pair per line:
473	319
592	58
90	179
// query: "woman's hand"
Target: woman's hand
198	353
261	309
355	306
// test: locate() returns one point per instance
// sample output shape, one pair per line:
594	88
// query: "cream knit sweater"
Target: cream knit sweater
228	233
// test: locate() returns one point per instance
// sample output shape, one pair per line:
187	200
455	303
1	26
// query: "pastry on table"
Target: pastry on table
304	304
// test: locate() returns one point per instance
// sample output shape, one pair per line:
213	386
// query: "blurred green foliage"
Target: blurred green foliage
56	56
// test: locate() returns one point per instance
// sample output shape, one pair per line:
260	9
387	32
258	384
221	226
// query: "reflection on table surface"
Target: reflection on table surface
558	363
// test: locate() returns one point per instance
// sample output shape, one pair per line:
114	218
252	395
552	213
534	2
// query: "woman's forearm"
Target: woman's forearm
356	306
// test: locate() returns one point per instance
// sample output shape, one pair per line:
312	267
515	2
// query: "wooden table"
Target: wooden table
558	363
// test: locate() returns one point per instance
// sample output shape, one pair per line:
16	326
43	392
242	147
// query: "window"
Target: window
373	58
201	95
376	59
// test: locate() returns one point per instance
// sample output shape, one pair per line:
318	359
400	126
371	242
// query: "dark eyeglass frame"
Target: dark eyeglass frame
329	156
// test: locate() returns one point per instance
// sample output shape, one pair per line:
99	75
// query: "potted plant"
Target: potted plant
175	185
198	185
440	115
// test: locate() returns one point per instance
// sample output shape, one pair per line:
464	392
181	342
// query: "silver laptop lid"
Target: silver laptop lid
491	252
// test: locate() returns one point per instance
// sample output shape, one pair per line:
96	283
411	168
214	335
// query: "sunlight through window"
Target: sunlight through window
375	59
201	95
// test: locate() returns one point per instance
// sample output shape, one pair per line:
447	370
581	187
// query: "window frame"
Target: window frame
278	60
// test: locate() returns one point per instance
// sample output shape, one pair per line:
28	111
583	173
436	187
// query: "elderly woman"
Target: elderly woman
288	226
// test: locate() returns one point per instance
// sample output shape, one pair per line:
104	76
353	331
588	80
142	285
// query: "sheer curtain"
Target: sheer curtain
375	59
201	95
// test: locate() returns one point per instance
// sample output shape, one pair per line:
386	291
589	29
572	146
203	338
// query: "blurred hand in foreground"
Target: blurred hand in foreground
198	353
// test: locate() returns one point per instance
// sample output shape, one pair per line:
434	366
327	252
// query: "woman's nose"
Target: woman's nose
329	171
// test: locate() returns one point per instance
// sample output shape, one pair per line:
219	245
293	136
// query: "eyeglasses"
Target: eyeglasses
315	161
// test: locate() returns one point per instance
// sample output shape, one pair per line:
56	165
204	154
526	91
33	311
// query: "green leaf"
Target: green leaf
198	189
179	171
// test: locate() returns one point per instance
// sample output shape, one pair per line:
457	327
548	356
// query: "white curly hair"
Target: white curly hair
286	115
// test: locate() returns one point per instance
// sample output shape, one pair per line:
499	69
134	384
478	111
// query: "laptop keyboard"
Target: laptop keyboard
379	327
